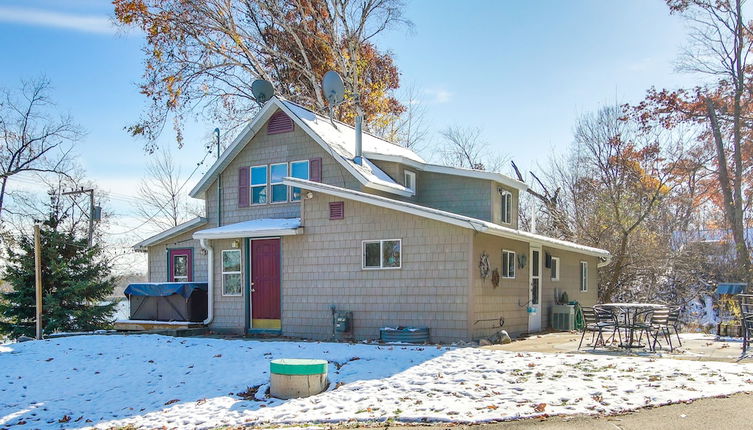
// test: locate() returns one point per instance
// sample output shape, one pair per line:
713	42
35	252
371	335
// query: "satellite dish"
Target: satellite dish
262	90
334	89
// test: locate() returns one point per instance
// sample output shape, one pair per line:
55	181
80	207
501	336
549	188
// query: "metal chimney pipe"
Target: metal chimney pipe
359	136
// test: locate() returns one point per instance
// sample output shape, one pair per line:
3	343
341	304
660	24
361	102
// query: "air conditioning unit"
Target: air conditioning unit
563	317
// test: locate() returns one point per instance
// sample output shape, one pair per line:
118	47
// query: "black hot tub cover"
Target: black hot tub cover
163	289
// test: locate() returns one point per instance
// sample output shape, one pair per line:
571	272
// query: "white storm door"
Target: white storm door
534	290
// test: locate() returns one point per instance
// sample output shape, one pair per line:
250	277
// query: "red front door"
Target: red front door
265	284
180	265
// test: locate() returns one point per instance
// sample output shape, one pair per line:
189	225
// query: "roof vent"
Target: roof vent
279	123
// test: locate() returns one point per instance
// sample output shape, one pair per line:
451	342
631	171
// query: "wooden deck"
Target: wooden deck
139	325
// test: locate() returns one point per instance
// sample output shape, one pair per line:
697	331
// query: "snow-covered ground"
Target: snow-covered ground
154	381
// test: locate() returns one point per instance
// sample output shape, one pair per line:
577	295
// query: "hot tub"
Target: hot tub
168	301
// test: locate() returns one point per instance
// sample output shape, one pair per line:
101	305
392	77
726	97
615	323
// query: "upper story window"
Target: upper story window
300	170
410	180
259	185
277	172
506	207
264	183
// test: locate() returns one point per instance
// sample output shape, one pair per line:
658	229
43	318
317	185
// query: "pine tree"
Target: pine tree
76	280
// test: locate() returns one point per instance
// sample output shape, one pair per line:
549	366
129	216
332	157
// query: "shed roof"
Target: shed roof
447	217
253	228
169	233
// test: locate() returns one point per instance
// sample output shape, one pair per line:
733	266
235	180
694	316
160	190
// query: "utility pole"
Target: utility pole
38	277
95	212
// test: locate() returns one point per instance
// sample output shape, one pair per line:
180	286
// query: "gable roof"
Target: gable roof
333	139
338	139
478	225
169	233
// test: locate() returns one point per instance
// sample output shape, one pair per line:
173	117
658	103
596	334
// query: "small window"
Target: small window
231	272
180	268
259	185
300	170
583	276
555	268
382	254
277	172
410	181
508	264
506	216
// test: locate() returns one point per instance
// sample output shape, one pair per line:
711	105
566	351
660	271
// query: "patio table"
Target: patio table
629	313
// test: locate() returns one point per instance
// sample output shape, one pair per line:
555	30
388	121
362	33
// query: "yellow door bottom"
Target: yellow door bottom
266	324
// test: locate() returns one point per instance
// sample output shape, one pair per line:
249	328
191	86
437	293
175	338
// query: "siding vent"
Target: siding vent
337	210
279	123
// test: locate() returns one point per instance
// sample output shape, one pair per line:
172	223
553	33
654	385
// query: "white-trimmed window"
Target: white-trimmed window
555	268
258	185
583	276
508	264
382	254
506	212
300	170
277	172
410	180
231	272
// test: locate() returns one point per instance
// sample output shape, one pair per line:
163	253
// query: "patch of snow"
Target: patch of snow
155	381
245	228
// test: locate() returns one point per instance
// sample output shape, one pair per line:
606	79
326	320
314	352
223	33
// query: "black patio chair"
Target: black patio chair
609	319
592	324
642	325
660	325
746	306
674	322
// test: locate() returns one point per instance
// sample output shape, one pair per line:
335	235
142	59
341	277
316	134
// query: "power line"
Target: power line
199	164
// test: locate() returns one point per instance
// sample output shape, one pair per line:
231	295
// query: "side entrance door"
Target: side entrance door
265	284
534	290
180	265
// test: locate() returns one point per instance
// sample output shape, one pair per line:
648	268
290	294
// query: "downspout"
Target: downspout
210	279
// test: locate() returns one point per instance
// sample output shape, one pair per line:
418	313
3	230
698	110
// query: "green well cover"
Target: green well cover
298	366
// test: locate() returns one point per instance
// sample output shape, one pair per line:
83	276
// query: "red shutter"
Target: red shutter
337	210
243	191
315	169
279	123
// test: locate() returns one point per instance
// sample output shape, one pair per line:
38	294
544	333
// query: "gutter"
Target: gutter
210	280
605	262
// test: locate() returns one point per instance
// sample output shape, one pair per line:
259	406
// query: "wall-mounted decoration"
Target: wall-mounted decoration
483	265
495	278
522	260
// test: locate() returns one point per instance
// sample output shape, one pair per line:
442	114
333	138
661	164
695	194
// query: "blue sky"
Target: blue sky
521	71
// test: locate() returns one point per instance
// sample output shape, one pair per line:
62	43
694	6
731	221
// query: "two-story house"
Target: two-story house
297	223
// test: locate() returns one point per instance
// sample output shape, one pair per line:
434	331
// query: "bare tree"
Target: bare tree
464	147
410	129
202	55
162	201
720	44
33	138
